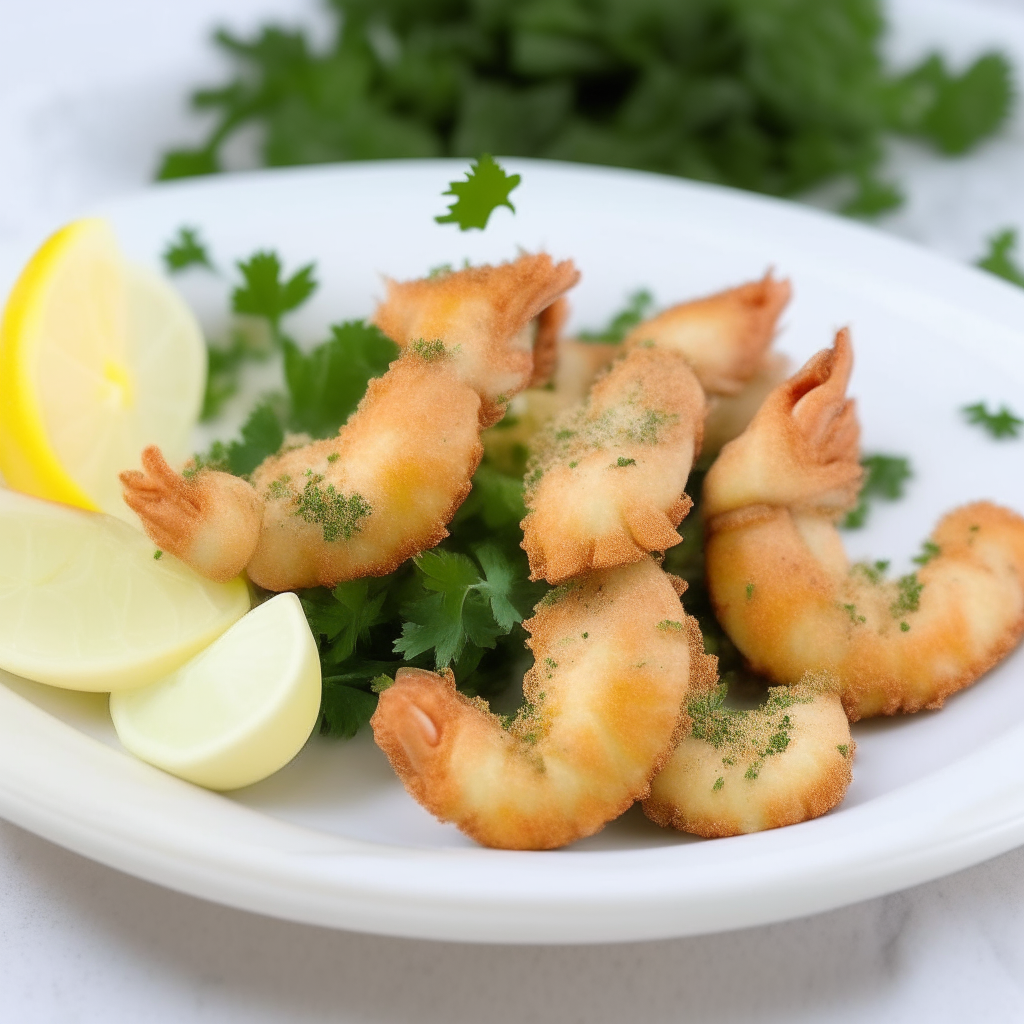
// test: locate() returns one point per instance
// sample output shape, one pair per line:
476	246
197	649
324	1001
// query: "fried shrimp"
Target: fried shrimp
605	483
491	320
786	594
386	486
738	771
603	703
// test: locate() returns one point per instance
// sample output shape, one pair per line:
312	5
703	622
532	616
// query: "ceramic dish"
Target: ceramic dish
333	839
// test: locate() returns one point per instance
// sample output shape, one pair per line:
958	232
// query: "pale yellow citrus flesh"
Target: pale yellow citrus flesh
98	358
238	711
86	605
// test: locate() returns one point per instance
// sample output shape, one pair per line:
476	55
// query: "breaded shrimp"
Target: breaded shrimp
786	594
744	771
605	483
387	485
724	337
603	702
489	318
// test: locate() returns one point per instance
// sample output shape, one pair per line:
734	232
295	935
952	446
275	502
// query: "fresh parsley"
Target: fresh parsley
999	259
886	478
638	308
186	250
772	96
265	293
486	187
1000	425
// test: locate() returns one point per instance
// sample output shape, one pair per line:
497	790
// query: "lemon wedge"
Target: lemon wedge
98	358
86	605
238	711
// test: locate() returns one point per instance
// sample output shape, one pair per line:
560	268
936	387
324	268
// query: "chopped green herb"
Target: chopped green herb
186	250
851	610
843	748
338	516
999	259
621	462
908	589
381	683
885	478
904	627
719	783
486	187
750	591
929	550
429	351
999	424
670	626
157	555
638	308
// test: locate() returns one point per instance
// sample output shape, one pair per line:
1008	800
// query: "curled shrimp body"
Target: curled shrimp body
605	483
745	771
786	594
603	702
386	486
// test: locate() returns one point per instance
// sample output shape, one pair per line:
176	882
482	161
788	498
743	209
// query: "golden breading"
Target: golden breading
388	484
485	317
603	703
785	592
605	484
744	771
724	337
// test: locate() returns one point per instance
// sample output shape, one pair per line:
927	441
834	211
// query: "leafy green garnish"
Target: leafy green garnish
999	424
999	259
775	95
265	293
929	550
637	309
186	250
486	187
885	478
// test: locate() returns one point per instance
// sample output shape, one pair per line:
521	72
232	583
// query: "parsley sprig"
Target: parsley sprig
885	479
1000	425
486	187
999	259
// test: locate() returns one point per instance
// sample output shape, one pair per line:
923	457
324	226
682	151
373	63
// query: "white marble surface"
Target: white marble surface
89	93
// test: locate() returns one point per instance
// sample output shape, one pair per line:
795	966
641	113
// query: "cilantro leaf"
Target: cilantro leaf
326	384
186	250
344	709
999	259
638	308
1001	424
344	616
263	291
486	187
886	477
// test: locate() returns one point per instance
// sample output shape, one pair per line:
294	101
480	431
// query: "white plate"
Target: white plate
333	839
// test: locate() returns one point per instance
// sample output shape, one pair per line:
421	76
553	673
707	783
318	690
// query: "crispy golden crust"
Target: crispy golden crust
550	322
786	594
211	522
605	484
724	337
483	317
786	762
603	702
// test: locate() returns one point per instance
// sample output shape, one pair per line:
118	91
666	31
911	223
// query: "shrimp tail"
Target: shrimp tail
210	521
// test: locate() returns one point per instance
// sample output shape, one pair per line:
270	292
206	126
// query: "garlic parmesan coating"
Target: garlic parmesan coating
386	486
603	703
489	319
605	483
738	771
785	592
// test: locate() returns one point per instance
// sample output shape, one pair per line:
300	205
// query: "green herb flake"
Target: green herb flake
1000	425
719	783
621	462
486	187
429	351
381	683
670	626
999	259
885	478
844	749
904	627
186	250
157	555
929	550
750	591
908	589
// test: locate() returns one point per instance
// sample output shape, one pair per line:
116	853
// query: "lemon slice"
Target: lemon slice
238	711
98	358
84	604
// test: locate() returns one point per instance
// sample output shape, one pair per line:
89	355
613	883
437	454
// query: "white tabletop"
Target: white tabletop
89	94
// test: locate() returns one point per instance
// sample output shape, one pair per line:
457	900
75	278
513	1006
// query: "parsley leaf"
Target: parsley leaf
327	383
344	709
264	293
886	477
638	308
344	616
461	604
1000	424
262	436
999	259
186	250
486	187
